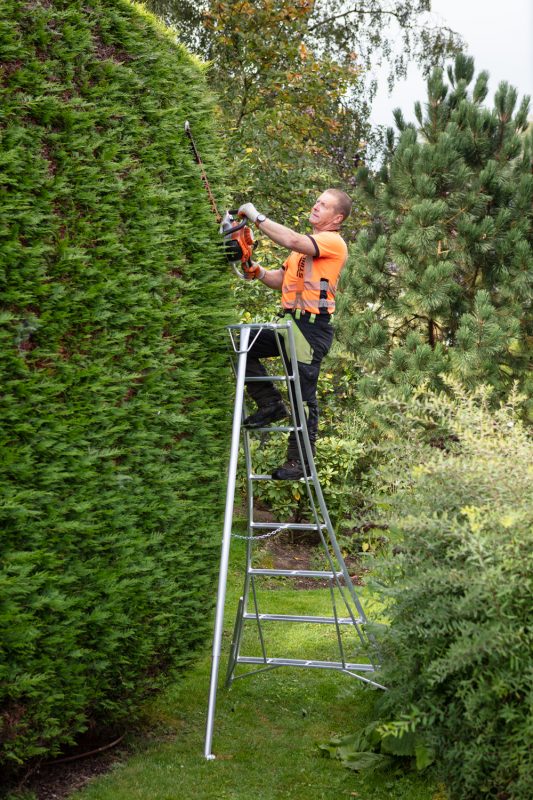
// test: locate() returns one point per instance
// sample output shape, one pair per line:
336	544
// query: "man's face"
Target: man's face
325	215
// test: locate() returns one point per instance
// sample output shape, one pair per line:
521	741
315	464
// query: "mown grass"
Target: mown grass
266	730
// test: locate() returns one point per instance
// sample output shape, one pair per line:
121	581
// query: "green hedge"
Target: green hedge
458	652
114	390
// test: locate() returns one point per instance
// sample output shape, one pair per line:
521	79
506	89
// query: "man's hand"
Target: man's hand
255	271
248	210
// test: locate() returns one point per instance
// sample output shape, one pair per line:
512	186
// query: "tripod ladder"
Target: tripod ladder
336	575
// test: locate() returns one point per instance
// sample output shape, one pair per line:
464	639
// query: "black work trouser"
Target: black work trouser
313	338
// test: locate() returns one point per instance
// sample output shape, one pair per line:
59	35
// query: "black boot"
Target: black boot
291	470
266	414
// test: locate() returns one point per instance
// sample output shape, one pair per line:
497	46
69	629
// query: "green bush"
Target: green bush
113	400
457	653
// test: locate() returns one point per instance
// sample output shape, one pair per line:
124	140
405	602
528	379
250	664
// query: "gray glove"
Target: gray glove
248	210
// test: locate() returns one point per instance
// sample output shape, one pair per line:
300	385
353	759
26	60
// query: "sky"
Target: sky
499	36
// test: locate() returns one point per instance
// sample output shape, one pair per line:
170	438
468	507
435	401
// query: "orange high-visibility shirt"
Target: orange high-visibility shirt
310	282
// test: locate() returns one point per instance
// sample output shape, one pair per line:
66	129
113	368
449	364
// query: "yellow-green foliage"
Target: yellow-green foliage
113	401
457	654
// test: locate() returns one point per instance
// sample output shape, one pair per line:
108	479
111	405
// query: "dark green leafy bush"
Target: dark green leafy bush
113	393
458	652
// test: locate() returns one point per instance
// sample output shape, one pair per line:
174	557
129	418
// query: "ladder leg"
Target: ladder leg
235	643
243	602
259	627
226	539
311	479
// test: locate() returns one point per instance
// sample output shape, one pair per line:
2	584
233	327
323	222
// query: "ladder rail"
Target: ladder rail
312	481
316	483
311	478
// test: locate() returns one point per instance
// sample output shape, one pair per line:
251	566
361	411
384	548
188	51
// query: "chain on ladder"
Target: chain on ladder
242	338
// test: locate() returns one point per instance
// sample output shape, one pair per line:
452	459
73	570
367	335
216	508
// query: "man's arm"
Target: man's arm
270	277
287	237
279	233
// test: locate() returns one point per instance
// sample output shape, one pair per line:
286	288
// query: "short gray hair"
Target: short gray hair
343	202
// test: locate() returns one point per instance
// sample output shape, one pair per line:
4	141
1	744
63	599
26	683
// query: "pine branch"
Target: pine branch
407	323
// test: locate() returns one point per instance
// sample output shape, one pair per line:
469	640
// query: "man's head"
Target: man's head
330	210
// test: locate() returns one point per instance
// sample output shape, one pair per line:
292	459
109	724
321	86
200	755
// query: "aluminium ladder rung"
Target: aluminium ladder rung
301	618
296	573
275	429
300	662
258	378
289	526
270	478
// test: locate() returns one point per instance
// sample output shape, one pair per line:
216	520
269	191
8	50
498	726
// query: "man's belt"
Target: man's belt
300	313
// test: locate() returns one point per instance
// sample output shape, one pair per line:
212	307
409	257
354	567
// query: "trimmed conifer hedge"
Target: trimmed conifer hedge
113	365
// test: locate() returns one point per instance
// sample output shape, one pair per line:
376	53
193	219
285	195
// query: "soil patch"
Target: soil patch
292	550
55	780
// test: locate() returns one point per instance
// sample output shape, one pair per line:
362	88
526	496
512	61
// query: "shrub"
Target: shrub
113	396
457	653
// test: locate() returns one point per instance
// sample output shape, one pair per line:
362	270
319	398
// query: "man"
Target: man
308	283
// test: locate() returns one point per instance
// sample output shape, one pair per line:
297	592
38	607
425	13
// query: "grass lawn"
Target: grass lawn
266	729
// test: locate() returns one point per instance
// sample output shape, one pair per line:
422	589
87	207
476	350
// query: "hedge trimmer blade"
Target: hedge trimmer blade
200	163
238	241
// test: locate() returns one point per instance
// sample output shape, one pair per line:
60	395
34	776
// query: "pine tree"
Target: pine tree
441	281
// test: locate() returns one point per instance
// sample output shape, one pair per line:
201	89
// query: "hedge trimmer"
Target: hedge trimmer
238	239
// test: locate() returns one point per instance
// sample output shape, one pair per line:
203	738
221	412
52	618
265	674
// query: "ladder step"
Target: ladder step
301	618
274	428
296	573
290	526
269	478
259	378
297	662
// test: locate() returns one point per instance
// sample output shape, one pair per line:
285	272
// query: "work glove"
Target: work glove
248	210
253	272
